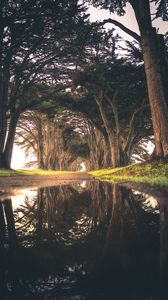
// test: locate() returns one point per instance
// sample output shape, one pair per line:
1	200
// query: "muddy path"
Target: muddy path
18	182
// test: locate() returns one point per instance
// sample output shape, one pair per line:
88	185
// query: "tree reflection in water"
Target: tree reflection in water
70	242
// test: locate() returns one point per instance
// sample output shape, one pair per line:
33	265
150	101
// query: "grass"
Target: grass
4	172
153	173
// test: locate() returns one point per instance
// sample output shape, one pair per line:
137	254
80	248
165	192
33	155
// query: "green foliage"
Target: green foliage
162	9
113	6
119	5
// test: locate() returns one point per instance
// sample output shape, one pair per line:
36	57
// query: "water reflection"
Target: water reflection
84	241
163	208
7	225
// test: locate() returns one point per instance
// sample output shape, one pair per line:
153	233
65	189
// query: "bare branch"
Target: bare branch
124	28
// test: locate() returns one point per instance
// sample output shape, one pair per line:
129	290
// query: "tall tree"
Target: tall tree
152	45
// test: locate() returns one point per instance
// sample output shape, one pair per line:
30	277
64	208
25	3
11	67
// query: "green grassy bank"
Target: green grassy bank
153	173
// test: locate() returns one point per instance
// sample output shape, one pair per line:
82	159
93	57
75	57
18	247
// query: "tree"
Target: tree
117	119
152	46
36	36
55	140
98	150
119	91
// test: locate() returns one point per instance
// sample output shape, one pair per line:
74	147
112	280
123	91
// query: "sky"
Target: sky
128	20
18	158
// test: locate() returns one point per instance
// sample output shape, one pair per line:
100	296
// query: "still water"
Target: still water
87	240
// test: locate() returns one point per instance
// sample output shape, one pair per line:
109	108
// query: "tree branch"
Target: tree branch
133	119
124	28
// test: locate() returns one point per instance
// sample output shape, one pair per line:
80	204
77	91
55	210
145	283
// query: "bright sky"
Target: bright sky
128	20
18	158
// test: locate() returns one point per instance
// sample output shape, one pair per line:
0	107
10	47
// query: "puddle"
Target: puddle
86	240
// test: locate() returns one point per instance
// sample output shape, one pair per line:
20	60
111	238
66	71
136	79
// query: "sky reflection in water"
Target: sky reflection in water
87	240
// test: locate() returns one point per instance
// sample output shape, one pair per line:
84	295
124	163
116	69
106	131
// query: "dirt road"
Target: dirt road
8	182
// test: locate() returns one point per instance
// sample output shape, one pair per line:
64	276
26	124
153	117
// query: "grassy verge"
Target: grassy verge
153	173
4	172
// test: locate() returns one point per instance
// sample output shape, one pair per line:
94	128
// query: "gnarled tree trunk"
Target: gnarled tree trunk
152	48
113	141
156	92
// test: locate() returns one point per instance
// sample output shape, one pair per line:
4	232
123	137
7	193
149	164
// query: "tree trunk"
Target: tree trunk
117	155
7	154
40	151
120	153
152	49
1	87
1	120
156	92
106	156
